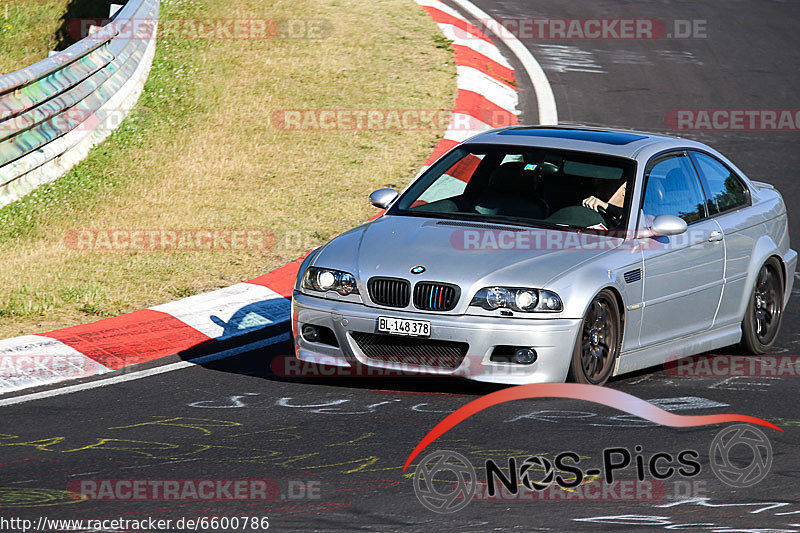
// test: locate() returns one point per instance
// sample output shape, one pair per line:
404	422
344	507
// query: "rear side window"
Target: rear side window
725	190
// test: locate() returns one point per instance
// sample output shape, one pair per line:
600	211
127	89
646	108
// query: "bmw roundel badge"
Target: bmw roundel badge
419	269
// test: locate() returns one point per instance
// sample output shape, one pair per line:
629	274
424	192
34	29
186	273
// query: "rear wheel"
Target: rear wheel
762	319
598	342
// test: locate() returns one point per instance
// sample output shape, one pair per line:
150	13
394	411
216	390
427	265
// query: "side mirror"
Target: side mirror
382	197
669	225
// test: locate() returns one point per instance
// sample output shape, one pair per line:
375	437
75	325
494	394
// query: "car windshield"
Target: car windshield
530	186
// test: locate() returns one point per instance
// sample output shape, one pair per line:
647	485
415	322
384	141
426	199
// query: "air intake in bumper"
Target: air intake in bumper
411	351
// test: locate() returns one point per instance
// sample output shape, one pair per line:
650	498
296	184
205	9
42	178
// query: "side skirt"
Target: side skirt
660	353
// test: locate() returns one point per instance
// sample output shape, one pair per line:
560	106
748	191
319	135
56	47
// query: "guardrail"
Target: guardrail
53	112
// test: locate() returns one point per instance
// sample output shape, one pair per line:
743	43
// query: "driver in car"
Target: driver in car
612	207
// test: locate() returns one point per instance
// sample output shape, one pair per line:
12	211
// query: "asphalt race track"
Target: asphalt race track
334	448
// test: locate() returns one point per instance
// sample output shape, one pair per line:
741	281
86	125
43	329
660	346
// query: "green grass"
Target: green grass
199	152
28	31
443	42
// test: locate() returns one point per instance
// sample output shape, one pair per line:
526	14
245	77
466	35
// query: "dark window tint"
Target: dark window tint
726	191
540	187
673	189
598	136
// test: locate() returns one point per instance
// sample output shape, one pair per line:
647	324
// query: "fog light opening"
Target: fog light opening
524	356
319	334
513	355
310	333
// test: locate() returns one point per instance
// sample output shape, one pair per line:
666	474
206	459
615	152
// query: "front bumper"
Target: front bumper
553	340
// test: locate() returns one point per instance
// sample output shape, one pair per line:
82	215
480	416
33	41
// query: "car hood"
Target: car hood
469	255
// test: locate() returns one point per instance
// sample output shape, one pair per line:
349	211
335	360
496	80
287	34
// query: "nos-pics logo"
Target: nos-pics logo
446	481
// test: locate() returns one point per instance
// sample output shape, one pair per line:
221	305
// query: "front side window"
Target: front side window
673	189
726	191
522	185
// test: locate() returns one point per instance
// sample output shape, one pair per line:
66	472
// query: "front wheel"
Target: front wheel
762	319
598	342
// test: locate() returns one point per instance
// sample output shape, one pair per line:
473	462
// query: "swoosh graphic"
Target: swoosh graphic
576	391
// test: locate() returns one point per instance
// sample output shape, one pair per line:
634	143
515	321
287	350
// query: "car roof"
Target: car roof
617	142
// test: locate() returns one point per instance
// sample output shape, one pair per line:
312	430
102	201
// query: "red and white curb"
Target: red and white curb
486	98
148	334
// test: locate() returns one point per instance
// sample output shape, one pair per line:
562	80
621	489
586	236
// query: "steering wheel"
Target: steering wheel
610	221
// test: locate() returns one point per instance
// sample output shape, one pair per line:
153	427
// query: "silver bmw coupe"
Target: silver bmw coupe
545	254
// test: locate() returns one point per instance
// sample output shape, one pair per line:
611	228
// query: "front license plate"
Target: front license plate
401	326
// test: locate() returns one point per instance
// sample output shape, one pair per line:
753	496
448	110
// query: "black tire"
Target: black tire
764	313
598	342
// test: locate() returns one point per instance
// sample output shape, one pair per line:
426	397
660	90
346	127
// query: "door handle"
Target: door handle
715	236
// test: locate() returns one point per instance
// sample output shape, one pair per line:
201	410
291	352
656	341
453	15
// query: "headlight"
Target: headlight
518	299
325	279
